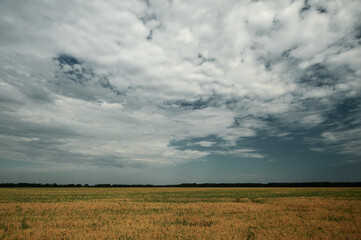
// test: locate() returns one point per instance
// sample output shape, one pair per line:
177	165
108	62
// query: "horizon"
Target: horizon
186	185
168	92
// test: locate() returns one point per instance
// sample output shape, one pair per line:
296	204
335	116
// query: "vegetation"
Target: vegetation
298	184
180	213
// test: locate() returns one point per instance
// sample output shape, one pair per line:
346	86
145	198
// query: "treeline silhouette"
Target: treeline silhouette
221	185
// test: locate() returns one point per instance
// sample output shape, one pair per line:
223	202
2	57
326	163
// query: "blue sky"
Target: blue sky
169	92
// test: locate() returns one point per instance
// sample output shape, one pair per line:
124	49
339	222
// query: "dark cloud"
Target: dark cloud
268	66
150	35
74	70
306	6
358	32
287	52
198	104
204	59
190	105
321	9
149	17
345	113
66	60
87	82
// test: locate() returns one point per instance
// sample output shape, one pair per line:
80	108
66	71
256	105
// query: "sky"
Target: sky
168	91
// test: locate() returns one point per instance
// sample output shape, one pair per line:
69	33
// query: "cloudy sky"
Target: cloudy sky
180	91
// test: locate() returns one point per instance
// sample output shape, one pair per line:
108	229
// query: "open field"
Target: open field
180	213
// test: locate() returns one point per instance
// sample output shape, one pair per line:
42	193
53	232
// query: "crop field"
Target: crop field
180	213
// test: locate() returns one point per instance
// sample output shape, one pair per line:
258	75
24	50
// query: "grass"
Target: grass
180	213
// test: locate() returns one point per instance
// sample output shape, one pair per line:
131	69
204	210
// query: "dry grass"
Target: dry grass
175	213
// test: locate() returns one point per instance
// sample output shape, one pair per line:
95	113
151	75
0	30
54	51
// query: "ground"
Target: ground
180	213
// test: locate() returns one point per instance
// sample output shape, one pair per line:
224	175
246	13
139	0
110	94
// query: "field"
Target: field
180	213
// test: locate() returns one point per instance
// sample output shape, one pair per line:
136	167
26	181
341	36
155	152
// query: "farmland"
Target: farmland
180	213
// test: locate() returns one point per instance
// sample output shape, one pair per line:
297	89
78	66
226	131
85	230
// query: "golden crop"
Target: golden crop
178	213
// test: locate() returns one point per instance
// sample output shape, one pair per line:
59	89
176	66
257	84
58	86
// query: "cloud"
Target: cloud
344	141
205	143
115	83
243	153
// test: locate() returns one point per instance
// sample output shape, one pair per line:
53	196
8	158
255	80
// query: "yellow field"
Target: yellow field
180	213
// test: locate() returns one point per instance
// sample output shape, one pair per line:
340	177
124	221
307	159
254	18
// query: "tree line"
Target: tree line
275	184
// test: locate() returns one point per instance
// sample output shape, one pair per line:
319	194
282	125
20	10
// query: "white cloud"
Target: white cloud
205	143
242	62
244	153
